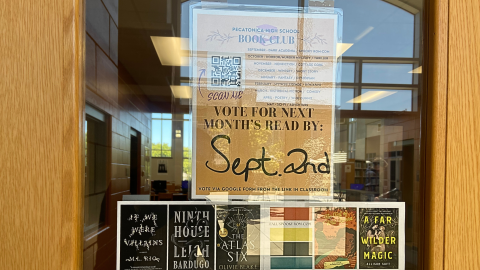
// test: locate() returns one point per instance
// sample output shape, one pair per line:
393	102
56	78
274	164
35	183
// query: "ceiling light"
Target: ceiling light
339	157
181	91
417	70
371	96
169	50
342	48
364	33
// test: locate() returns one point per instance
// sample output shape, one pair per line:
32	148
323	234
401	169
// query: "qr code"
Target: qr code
226	71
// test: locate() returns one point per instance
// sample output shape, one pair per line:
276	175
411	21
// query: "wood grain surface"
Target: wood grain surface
462	189
41	167
437	74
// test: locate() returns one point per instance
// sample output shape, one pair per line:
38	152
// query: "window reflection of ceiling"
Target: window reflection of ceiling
138	21
377	28
412	6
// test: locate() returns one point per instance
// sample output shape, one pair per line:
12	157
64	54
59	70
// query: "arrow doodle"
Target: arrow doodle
202	72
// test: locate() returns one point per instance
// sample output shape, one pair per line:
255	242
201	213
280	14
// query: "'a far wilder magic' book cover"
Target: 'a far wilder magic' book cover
378	229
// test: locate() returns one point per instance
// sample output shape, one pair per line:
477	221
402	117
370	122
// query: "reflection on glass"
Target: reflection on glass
95	172
187	147
387	73
348	72
377	28
386	100
162	135
371	96
342	96
376	155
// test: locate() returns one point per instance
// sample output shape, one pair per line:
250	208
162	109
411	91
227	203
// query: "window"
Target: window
382	84
342	96
386	100
348	72
161	135
187	147
374	133
96	161
387	73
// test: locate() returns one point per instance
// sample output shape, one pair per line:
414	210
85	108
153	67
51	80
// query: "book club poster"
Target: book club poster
255	236
263	103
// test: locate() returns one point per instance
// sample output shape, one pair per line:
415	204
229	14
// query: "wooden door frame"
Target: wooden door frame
42	106
435	71
452	135
435	139
57	28
79	26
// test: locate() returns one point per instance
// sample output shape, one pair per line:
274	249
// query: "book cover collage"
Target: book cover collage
216	236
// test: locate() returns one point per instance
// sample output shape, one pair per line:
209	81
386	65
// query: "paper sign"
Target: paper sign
263	102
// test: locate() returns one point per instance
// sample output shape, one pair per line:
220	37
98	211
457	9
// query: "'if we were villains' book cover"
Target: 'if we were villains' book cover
238	237
143	237
191	237
379	238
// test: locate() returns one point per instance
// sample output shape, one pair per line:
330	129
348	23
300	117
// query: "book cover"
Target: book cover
335	238
238	237
290	234
191	237
143	237
379	238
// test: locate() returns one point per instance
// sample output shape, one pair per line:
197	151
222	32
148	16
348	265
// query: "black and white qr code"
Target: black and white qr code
226	71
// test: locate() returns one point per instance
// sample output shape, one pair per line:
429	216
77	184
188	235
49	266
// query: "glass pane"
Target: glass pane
156	138
187	148
95	173
162	115
166	115
387	73
377	28
348	72
386	100
342	97
262	89
161	138
291	3
166	138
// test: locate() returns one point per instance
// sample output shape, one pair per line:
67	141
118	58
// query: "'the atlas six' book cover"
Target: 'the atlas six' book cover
191	237
238	237
379	238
